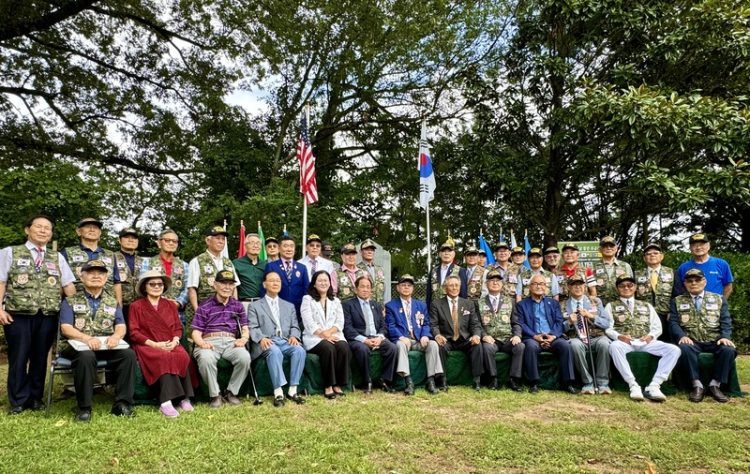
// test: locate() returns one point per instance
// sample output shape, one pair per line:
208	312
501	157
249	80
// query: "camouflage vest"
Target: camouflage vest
77	258
437	289
636	325
346	285
594	331
378	285
528	273
28	291
703	325
660	298
510	278
128	279
605	286
208	273
562	280
178	275
476	282
102	323
497	324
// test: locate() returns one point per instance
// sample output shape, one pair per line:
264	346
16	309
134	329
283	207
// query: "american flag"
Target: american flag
307	184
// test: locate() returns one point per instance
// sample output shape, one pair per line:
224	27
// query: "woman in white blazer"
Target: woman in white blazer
323	319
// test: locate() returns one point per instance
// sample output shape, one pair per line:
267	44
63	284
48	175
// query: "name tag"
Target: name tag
109	309
79	258
619	308
712	306
23	262
642	279
683	307
79	308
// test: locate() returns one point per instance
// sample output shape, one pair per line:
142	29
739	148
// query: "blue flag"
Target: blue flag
486	247
526	248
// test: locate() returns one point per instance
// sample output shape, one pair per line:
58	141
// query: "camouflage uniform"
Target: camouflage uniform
101	323
377	274
346	288
28	291
128	278
605	284
77	258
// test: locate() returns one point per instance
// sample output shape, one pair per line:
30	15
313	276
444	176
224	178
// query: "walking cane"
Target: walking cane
585	324
257	400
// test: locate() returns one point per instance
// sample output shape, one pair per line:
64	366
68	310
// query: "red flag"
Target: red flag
241	251
307	184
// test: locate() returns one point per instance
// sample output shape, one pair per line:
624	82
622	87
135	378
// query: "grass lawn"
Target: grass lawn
459	431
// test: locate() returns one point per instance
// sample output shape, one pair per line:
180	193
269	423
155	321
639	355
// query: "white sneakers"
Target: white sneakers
654	393
635	393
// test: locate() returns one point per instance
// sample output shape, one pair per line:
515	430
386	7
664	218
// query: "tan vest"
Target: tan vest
703	325
637	324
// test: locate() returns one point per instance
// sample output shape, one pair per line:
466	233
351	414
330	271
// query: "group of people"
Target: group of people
126	309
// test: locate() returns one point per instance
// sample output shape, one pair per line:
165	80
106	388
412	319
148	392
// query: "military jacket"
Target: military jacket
637	324
101	323
27	290
476	282
128	278
437	289
77	258
562	280
662	295
208	273
346	285
703	325
605	285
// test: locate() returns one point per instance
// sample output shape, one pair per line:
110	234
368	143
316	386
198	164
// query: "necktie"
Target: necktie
369	322
697	300
493	300
39	258
654	279
471	272
371	270
630	306
407	311
275	313
314	266
288	266
454	318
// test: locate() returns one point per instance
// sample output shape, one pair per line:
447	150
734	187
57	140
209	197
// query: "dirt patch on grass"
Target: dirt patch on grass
553	410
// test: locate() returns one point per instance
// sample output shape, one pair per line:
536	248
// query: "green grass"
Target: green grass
460	431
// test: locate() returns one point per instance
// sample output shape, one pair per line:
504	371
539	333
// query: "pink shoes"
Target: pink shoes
169	411
185	405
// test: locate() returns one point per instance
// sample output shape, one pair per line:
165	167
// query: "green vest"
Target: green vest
497	324
77	258
101	323
605	285
28	291
378	285
660	298
476	282
437	289
128	279
562	280
528	273
178	275
636	325
594	331
208	273
345	290
703	325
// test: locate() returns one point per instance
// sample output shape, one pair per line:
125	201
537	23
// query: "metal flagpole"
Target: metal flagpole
429	245
304	197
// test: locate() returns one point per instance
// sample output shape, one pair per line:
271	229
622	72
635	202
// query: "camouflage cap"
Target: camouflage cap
652	246
216	230
471	250
576	279
699	237
272	239
623	278
695	273
314	238
517	250
129	231
570	246
501	245
607	240
448	245
368	244
348	248
95	265
494	274
552	249
406	278
223	276
88	221
535	251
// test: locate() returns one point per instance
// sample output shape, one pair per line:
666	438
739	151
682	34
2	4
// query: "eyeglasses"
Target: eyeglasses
539	284
693	280
155	284
169	241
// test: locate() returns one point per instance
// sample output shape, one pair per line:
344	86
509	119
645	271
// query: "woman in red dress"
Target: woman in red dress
155	330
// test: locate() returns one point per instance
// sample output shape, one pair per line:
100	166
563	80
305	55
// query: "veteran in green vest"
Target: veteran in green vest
347	275
655	284
202	270
501	331
523	286
93	326
89	232
700	322
376	272
609	269
476	275
128	266
32	280
441	272
634	327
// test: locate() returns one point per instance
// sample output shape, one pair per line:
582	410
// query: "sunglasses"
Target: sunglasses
155	284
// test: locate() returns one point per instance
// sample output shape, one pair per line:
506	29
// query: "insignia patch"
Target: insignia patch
505	318
619	308
80	323
210	281
79	258
177	270
52	281
599	271
666	276
642	279
600	281
106	323
684	306
208	268
486	319
619	271
109	309
621	318
178	283
23	262
77	308
297	274
712	307
685	318
22	279
120	264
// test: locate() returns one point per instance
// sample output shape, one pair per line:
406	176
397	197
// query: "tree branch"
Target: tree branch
15	25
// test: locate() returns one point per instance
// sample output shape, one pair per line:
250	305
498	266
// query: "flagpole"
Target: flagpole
304	197
429	245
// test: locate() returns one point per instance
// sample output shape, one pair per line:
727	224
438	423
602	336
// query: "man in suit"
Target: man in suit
294	281
365	329
275	333
456	327
409	327
542	329
701	323
447	254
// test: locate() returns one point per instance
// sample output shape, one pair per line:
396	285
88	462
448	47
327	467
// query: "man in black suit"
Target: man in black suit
456	327
365	329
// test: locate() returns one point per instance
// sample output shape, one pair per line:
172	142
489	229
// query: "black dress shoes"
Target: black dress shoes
443	383
696	394
717	394
513	385
34	405
16	410
296	398
477	386
278	401
570	388
83	415
385	386
122	409
494	385
534	388
330	396
409	390
430	386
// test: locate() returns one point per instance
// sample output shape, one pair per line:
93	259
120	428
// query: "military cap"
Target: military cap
535	251
314	238
652	246
482	252
89	220
272	239
623	279
216	230
494	274
449	244
607	240
699	237
694	272
224	276
368	244
500	245
571	246
406	277
152	275
576	279
471	250
95	265
348	248
129	231
552	249
517	250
